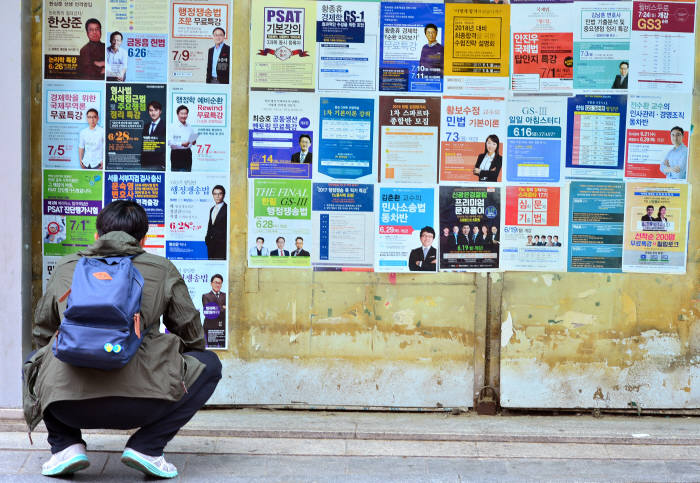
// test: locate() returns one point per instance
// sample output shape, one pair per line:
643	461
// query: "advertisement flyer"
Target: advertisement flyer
533	235
136	129
283	45
535	139
343	226
71	202
658	132
470	225
148	190
205	111
208	287
662	44
137	44
656	226
280	134
409	132
347	41
411	54
48	265
279	223
595	136
405	236
200	41
602	34
73	132
196	216
477	48
73	40
543	44
596	223
472	141
346	145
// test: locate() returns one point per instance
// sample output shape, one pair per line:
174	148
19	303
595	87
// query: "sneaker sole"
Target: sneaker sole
133	461
76	463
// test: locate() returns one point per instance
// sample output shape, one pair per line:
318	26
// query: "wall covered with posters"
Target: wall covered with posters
400	138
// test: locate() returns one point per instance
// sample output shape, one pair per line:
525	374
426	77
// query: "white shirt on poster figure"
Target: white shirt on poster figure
181	133
675	164
91	143
116	58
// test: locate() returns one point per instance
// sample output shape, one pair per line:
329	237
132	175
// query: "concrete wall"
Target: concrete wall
15	202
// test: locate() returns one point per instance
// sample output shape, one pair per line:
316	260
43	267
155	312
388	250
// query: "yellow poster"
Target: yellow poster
476	47
656	222
282	45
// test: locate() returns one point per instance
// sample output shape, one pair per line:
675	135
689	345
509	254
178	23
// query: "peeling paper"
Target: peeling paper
506	330
548	277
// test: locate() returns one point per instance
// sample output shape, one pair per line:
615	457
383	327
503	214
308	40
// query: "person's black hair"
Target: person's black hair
305	136
93	20
260	238
677	128
123	215
427	229
298	238
217	275
495	139
280	237
626	63
181	107
111	36
662	207
430	26
156	105
218	28
219	187
92	109
650	206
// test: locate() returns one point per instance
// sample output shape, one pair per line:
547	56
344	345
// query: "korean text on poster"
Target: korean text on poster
596	214
411	51
283	45
470	225
343	226
656	225
472	144
535	146
533	236
279	223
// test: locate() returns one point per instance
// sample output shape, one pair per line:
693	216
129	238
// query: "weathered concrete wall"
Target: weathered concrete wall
606	341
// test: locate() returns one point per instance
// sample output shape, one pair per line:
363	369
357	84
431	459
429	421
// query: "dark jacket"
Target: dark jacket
494	170
158	369
297	156
216	232
427	264
222	66
620	85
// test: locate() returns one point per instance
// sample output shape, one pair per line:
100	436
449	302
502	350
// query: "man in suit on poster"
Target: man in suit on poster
620	81
214	310
280	252
215	238
424	258
218	59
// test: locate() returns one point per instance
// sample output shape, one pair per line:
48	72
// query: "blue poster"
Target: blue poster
343	226
535	144
404	214
595	136
596	223
347	133
411	51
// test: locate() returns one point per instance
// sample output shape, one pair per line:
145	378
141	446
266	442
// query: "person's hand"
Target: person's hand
99	166
433	261
185	144
82	165
477	171
677	169
666	163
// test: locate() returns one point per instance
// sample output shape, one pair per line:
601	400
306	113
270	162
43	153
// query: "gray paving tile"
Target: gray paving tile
468	468
11	461
589	470
684	471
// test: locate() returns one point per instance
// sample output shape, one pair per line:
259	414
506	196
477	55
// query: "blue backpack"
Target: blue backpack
101	327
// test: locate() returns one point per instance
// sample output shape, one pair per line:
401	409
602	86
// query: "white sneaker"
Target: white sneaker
65	462
150	465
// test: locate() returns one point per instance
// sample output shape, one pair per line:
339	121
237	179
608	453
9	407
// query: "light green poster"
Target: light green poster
279	232
72	200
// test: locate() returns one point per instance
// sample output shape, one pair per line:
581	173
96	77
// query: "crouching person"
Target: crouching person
157	389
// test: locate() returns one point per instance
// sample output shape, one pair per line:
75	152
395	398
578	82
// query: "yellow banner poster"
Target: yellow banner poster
283	45
477	48
656	222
